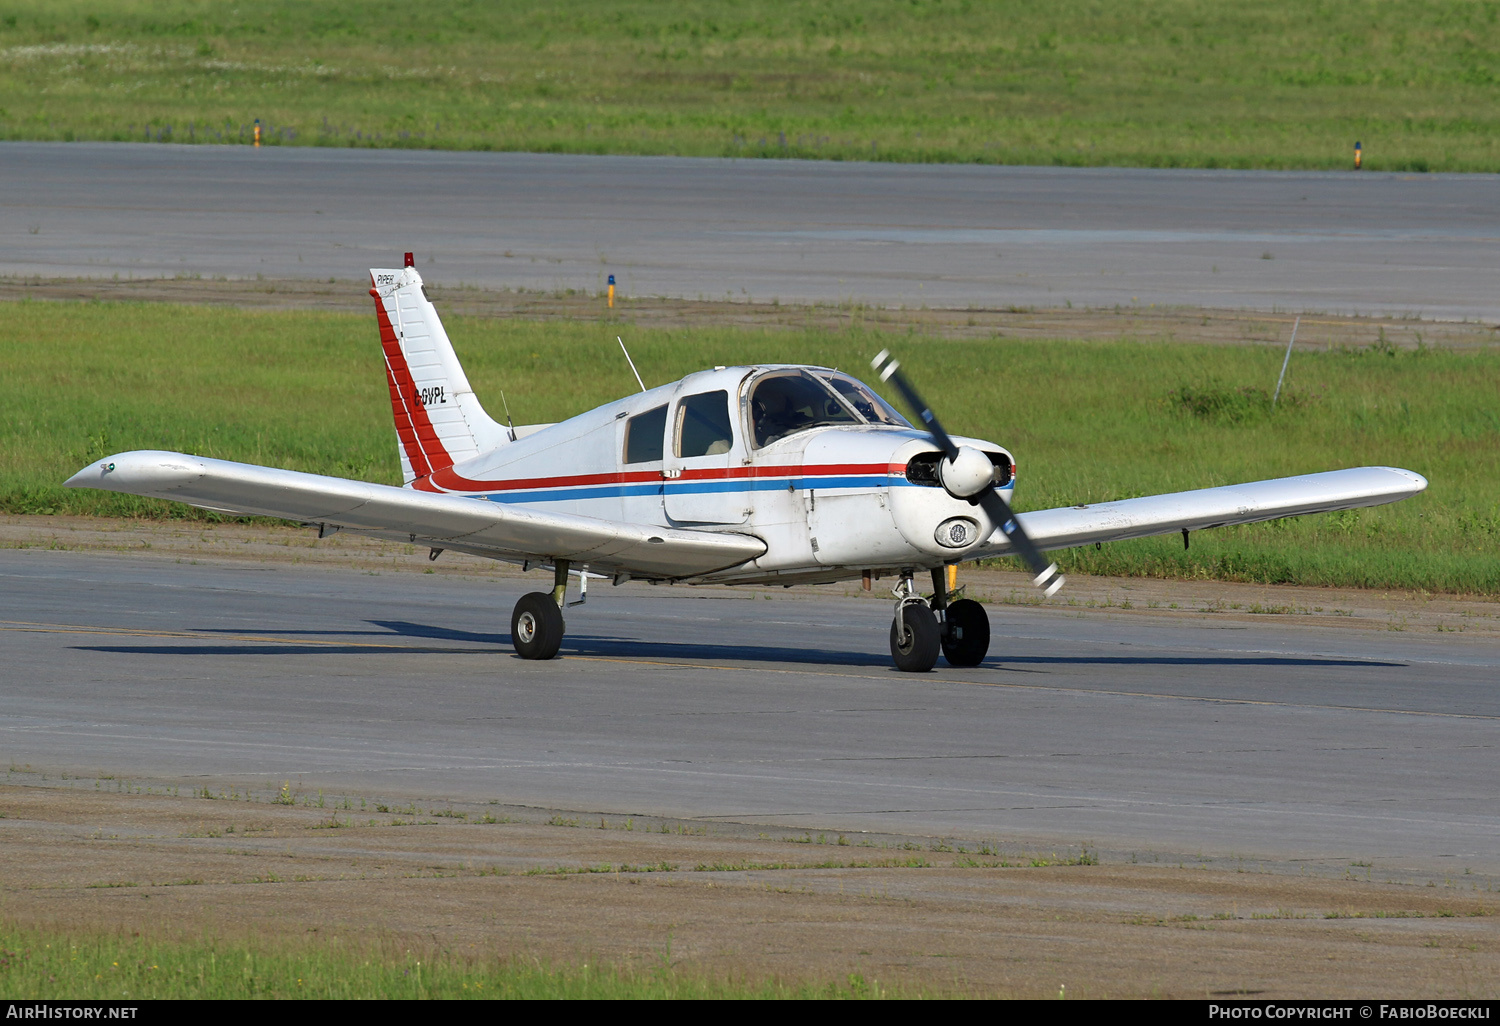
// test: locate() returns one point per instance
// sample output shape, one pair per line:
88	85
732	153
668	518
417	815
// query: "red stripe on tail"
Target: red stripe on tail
424	450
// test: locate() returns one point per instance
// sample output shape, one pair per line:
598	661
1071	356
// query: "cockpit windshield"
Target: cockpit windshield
785	403
865	402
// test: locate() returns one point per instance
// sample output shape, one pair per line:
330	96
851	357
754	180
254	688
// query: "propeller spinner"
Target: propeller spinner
968	474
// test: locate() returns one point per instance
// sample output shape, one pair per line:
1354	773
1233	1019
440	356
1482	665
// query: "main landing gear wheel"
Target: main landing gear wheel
967	637
915	638
536	626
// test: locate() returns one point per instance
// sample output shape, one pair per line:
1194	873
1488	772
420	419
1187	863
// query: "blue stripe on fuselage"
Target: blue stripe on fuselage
678	487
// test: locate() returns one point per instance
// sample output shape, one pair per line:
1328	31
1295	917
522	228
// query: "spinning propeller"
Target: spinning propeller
967	473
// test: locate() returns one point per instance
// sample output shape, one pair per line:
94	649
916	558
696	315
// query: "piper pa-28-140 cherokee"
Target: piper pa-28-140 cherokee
736	475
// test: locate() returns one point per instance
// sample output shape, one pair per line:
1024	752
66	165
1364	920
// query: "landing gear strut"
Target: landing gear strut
917	634
536	624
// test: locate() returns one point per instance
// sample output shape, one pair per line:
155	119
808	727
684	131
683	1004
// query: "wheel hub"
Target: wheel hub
905	638
526	627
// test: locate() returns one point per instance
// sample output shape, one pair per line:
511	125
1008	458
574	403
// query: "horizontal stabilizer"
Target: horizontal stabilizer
1211	507
446	521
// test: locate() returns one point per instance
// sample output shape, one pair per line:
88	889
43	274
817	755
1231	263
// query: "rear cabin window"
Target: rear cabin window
703	425
643	436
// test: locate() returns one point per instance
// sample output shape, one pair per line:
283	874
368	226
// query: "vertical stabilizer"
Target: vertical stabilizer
439	421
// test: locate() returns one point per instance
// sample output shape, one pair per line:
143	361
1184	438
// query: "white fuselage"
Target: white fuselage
829	502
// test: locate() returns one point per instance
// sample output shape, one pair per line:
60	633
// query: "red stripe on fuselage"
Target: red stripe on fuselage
424	450
446	478
451	481
772	470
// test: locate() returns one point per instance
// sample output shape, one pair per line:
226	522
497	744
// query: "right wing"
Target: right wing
443	521
1210	507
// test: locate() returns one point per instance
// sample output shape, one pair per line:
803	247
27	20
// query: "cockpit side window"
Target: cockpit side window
865	402
703	427
643	436
783	404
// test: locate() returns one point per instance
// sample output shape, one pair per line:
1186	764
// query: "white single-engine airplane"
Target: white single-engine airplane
736	475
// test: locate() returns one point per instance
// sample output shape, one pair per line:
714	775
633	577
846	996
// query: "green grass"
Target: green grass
60	965
1258	83
1088	421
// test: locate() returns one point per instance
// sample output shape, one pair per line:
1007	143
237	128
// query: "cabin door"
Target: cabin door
704	473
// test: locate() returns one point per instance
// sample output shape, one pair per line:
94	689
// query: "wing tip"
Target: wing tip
140	472
1417	481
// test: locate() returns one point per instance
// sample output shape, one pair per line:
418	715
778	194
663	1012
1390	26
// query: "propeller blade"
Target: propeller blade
990	500
1047	577
891	371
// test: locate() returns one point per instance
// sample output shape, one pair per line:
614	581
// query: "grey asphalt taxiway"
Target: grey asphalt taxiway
950	236
1127	733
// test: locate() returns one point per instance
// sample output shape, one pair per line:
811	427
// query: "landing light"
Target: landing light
956	533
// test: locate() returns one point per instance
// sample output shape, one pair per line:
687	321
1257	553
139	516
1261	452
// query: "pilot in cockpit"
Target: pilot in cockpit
783	404
773	414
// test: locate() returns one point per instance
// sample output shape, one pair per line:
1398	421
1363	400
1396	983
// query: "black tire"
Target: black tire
915	639
967	637
536	626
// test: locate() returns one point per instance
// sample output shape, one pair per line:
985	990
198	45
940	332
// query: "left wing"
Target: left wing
1209	507
443	521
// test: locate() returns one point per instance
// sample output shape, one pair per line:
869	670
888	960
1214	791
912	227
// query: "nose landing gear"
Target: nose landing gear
916	637
962	634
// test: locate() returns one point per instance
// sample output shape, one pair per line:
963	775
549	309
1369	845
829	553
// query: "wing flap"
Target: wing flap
474	525
1212	507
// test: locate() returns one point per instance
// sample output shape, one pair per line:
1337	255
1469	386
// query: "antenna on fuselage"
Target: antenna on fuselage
628	360
509	424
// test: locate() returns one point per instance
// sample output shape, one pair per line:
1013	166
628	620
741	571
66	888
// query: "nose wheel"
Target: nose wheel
919	632
915	638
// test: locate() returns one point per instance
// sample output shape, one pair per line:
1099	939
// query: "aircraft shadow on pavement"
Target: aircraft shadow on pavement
389	631
273	649
495	644
1189	660
578	643
387	628
634	648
